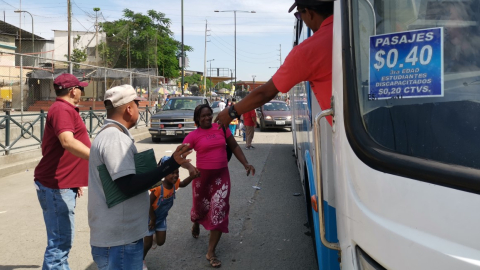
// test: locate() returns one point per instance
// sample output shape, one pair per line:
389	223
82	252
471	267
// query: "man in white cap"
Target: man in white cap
221	104
116	233
63	169
309	61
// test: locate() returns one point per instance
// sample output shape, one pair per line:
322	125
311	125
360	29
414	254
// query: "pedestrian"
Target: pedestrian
211	191
167	99
161	201
63	169
221	104
250	121
310	61
116	233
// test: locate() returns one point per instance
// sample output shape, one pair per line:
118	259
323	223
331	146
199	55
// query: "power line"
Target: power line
9	4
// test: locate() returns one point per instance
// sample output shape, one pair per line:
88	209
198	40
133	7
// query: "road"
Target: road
267	228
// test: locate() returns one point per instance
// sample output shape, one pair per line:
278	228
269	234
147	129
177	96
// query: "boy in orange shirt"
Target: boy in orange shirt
161	200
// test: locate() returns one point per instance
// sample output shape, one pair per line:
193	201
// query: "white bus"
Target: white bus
394	182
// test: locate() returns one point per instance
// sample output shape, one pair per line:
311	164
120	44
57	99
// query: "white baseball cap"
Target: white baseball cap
120	95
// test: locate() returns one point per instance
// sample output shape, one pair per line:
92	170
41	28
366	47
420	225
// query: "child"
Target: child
161	200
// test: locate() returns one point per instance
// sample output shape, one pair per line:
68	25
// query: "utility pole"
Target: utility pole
280	54
205	62
69	8
20	31
96	33
183	56
253	76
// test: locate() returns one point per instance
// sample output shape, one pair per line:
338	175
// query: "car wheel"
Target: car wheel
262	126
156	139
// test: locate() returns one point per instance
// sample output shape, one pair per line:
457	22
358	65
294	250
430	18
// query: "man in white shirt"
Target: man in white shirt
221	105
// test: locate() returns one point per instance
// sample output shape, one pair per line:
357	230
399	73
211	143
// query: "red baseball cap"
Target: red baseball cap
66	80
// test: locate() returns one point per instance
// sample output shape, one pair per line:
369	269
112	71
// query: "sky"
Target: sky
259	35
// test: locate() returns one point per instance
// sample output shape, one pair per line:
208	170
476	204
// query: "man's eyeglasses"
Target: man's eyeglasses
298	14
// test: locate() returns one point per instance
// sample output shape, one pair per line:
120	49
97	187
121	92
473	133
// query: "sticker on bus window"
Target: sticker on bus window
406	65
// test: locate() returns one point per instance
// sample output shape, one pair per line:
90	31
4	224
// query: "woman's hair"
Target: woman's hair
198	111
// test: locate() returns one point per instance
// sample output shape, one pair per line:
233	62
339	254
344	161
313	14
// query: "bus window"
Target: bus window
441	128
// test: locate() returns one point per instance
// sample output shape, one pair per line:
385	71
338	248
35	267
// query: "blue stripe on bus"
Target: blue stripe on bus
327	258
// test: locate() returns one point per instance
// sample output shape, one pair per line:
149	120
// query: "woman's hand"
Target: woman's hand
250	169
180	155
193	172
151	224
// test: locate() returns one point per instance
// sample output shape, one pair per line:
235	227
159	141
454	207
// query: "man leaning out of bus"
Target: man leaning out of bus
310	61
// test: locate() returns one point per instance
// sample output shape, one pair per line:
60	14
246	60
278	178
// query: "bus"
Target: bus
394	181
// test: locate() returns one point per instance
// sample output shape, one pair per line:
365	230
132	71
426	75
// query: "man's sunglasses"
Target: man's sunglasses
298	14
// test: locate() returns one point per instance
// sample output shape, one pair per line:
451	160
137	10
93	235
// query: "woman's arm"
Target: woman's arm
237	151
188	180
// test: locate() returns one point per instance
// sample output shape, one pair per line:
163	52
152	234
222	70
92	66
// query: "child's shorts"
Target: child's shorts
160	226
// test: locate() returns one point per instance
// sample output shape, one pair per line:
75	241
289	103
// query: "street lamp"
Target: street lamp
235	37
210	73
33	36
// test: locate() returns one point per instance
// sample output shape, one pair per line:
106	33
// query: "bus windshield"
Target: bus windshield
441	121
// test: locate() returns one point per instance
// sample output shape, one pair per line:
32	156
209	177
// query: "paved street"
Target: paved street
266	226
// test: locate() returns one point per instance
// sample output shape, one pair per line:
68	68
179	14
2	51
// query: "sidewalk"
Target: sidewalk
24	160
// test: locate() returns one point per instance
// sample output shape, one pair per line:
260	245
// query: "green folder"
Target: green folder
144	162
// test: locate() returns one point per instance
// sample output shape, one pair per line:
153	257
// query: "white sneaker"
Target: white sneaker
144	266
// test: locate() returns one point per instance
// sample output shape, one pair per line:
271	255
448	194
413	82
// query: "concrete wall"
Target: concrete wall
87	41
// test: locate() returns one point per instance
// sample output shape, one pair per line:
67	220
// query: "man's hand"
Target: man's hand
180	155
250	169
223	118
79	192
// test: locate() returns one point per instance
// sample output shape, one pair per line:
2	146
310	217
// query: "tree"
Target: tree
197	80
142	41
78	54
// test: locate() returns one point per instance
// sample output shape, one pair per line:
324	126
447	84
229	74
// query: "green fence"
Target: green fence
26	131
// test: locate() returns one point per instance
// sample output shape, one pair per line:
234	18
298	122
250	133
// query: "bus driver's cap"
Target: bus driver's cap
308	3
120	95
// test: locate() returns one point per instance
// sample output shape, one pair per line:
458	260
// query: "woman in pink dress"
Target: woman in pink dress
211	191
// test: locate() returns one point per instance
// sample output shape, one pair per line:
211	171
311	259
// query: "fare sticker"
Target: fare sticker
406	65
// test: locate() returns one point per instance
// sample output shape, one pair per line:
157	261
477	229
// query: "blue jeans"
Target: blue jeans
126	257
58	207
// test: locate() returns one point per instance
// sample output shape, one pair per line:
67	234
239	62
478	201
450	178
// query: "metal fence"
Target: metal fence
30	88
24	132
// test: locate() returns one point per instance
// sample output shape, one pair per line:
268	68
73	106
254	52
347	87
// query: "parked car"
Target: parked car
274	114
175	120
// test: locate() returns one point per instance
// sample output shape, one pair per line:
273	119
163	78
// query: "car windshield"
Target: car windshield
215	104
276	106
182	104
418	76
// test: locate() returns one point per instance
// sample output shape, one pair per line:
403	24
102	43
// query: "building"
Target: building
16	40
27	44
82	40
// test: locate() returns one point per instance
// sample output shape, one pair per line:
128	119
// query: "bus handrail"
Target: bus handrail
318	174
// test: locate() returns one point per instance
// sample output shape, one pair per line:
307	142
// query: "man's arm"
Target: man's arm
135	183
74	146
255	99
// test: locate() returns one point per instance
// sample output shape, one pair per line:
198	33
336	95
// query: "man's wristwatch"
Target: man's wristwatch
233	114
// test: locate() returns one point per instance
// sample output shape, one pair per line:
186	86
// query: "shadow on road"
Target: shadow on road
11	267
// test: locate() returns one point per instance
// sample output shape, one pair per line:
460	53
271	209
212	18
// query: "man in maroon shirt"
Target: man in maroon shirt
63	169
